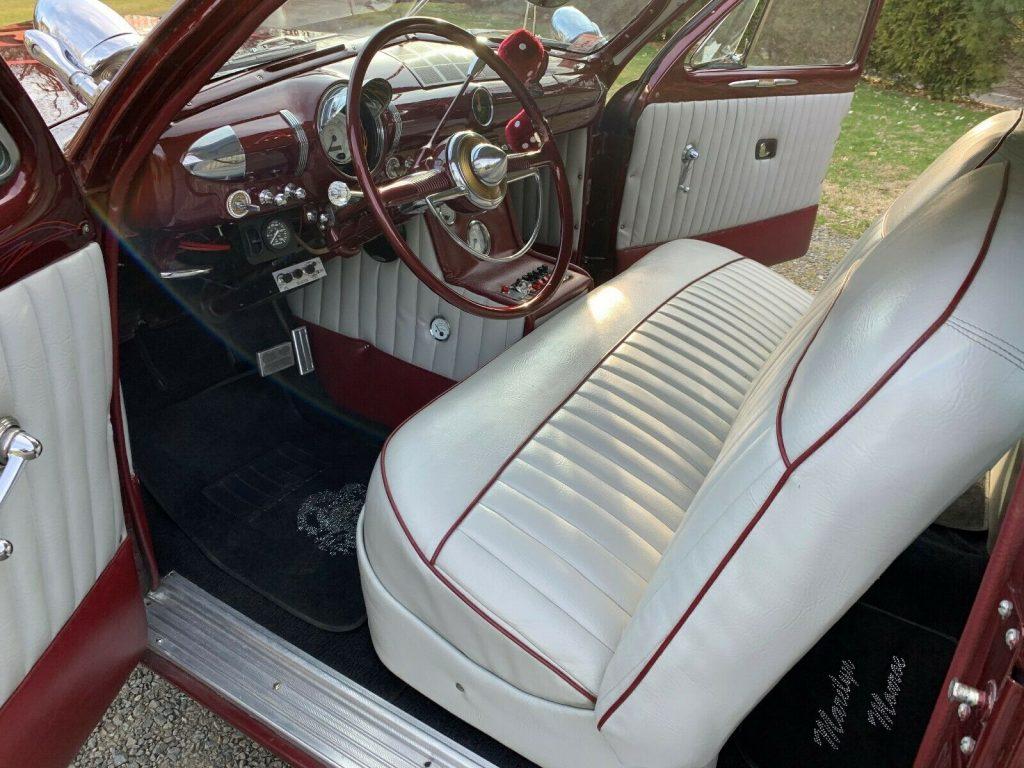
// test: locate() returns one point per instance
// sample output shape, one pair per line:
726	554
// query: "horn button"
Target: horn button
479	168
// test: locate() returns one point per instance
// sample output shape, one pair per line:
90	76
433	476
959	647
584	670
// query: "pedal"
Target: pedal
297	275
303	353
275	359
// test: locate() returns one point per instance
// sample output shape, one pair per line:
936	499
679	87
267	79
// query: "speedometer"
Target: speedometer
332	125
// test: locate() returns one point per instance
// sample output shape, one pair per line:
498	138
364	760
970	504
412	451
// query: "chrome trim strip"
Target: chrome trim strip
765	82
304	701
300	136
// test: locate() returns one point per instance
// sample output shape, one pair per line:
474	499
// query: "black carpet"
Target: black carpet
268	496
864	693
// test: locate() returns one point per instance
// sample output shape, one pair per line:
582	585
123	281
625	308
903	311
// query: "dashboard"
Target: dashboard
271	142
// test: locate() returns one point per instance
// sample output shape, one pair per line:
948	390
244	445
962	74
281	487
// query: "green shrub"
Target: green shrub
950	47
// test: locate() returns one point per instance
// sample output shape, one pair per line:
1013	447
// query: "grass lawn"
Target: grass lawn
14	11
888	138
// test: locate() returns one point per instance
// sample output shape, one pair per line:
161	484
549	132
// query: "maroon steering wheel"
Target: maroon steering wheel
465	167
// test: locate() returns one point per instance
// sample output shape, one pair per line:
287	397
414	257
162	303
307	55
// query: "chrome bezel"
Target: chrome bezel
337	90
479	193
238	203
481	229
482	92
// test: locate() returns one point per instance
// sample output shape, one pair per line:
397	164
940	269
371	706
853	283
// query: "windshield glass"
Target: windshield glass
582	26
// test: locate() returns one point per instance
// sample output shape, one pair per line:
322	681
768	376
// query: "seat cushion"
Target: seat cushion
522	515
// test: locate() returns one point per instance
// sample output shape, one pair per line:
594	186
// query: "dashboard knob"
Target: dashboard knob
280	199
340	194
300	193
239	204
266	197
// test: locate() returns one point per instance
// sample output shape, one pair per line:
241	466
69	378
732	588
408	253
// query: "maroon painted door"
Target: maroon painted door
729	133
72	622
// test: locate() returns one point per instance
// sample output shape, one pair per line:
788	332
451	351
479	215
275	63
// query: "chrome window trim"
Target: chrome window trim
10	156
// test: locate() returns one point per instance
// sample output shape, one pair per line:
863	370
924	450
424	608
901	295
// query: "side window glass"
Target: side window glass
784	33
796	33
726	45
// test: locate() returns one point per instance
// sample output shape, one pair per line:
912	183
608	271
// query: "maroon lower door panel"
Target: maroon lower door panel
362	379
79	673
988	658
769	241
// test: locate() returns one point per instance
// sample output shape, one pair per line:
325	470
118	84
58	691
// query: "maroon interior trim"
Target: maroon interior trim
810	451
362	379
430	562
511	458
768	241
51	713
981	655
1002	140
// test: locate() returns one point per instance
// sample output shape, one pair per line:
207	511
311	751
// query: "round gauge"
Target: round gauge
332	125
478	237
482	105
277	234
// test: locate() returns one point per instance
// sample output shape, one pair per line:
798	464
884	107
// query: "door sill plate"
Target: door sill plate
304	701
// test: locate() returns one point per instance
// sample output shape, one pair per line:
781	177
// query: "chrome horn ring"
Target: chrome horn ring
434	202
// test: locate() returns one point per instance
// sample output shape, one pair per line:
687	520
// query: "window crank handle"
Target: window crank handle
690	154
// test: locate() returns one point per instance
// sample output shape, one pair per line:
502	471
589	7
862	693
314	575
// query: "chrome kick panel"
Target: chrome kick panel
298	275
303	701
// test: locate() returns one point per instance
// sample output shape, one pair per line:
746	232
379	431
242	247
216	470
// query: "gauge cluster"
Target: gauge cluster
332	123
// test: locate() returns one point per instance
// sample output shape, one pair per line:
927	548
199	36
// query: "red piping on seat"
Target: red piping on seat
562	674
824	438
431	562
792	375
1002	141
557	408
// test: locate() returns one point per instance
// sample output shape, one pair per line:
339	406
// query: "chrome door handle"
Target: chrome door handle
690	154
16	447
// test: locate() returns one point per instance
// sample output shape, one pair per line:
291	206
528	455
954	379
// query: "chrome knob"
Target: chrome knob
239	204
967	745
339	194
964	694
280	199
266	197
6	549
300	193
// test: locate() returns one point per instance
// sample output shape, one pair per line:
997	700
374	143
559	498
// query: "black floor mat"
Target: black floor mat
266	495
864	693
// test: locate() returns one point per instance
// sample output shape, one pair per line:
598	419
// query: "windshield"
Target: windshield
583	26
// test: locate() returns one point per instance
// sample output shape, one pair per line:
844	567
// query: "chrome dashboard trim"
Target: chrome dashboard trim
300	136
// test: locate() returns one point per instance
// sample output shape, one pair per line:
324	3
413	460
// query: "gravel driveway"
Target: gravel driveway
152	724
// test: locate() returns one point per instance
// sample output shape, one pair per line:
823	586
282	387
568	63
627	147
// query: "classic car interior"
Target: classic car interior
470	381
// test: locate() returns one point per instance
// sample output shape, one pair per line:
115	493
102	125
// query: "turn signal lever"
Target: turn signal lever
16	447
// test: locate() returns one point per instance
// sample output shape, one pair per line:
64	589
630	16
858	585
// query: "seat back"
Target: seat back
909	364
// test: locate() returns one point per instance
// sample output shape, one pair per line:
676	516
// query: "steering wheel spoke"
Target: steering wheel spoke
417	187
